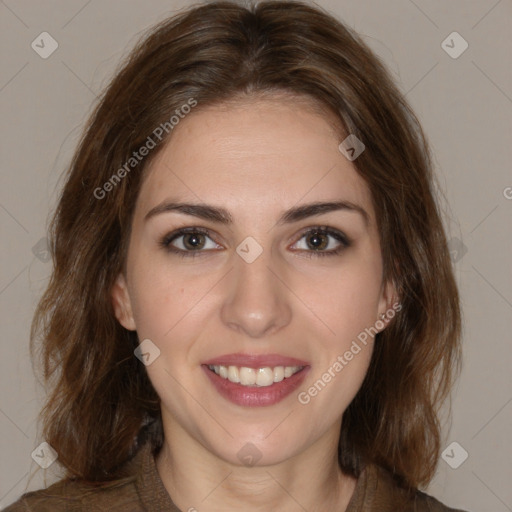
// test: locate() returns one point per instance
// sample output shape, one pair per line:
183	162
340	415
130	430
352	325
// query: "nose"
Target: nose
256	302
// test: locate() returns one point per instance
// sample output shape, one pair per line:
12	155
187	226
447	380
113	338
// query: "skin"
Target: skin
255	158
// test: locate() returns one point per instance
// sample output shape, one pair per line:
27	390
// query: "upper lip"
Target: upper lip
255	360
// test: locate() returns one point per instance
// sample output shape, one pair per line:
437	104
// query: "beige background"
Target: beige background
465	105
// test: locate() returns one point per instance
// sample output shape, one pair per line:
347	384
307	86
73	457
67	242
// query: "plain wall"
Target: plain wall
464	104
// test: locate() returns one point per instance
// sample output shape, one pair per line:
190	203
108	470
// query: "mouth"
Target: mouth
251	381
259	377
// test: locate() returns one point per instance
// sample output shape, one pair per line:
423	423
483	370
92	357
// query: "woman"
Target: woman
252	303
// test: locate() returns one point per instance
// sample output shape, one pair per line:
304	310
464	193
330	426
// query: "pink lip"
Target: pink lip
255	361
255	396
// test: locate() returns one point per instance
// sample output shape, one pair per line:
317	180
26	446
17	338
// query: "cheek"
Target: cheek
163	298
346	300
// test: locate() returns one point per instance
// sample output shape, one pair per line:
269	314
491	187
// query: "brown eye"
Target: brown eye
189	242
317	241
193	241
323	241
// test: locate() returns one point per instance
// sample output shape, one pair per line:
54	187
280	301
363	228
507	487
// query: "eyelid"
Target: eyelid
343	241
166	241
335	233
328	230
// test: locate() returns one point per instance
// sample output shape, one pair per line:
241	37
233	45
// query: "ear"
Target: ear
388	304
122	304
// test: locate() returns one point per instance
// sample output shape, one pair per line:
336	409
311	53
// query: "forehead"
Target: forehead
254	154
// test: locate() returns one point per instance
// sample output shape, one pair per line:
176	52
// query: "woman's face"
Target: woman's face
254	291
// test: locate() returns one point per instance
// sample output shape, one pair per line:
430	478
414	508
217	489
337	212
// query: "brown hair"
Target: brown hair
102	403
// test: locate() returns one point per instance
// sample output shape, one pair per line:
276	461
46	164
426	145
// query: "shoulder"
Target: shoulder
82	496
141	490
72	496
426	503
382	493
59	496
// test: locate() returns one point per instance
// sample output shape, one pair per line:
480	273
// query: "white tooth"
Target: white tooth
223	372
233	374
278	373
247	376
216	368
288	371
264	376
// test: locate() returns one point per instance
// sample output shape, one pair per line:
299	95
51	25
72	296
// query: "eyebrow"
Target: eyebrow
222	216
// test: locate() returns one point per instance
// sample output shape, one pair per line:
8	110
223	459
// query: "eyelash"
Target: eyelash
323	230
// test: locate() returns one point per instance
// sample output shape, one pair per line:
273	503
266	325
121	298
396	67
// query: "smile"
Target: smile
255	380
260	377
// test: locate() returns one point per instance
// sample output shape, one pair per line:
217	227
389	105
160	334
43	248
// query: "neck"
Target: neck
198	480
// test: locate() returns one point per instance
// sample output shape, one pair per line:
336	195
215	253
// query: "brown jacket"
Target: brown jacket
375	492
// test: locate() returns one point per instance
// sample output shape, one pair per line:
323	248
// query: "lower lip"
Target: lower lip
256	396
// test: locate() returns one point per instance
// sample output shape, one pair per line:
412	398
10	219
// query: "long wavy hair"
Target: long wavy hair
101	405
